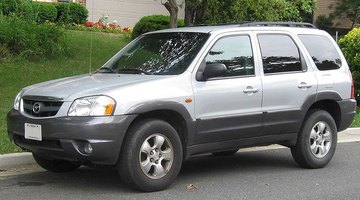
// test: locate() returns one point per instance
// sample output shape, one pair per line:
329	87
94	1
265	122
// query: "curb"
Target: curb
18	159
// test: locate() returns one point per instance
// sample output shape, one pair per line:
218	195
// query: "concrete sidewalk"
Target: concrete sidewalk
18	159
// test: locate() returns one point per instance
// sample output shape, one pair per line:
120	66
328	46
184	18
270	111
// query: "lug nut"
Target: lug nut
151	160
151	153
156	162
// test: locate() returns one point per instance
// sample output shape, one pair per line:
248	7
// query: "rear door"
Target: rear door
287	82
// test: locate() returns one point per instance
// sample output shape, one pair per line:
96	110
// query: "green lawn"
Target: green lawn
17	73
356	122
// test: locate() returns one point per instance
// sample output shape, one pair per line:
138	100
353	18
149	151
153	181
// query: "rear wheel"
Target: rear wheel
151	157
56	165
317	140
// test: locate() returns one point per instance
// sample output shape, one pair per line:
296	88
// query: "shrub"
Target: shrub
69	13
79	13
21	8
44	12
152	23
324	22
31	40
350	45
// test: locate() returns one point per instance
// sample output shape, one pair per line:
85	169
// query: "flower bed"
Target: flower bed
99	27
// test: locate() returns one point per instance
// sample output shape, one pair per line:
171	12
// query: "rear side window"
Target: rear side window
279	53
322	51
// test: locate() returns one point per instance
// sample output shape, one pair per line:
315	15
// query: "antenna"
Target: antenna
91	37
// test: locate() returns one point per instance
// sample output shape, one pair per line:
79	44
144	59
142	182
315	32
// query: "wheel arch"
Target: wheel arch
173	113
326	101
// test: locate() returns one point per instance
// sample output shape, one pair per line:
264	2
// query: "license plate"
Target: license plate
33	132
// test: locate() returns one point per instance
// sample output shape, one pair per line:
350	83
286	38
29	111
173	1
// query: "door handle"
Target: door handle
304	85
250	89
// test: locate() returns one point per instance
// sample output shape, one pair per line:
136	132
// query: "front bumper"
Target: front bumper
348	111
65	137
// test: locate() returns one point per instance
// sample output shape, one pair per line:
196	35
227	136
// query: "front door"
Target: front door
229	107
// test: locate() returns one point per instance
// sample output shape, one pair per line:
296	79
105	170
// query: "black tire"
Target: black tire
58	166
302	152
225	153
131	156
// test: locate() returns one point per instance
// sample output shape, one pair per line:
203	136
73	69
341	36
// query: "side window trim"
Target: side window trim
202	65
301	56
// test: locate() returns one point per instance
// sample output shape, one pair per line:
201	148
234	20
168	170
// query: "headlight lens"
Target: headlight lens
92	106
17	101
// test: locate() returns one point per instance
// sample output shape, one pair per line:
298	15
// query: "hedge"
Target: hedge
44	12
69	13
60	13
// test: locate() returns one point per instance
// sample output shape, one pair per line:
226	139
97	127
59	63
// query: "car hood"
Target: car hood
71	88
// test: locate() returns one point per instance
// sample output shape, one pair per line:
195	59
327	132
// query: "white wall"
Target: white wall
125	12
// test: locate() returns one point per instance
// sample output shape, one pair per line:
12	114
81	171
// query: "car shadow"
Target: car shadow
197	168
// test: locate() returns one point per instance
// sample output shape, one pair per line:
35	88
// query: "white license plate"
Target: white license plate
33	132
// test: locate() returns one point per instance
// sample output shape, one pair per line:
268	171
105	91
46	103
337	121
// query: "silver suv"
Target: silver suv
174	93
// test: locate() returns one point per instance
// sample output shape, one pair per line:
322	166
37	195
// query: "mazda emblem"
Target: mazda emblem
36	108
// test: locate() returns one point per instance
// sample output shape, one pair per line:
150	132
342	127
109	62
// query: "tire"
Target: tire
58	166
317	139
151	156
225	153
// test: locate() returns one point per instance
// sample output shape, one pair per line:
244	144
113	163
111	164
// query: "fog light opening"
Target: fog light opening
88	149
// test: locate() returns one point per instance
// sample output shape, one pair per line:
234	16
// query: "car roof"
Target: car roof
297	27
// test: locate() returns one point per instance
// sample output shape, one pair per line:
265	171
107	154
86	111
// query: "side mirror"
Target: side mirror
214	70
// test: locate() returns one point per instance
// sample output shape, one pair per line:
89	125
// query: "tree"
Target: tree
195	11
306	9
235	11
349	9
173	7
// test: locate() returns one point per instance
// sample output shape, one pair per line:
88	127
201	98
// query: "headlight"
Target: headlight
17	101
92	106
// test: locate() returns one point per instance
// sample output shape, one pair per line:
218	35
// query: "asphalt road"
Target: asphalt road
270	174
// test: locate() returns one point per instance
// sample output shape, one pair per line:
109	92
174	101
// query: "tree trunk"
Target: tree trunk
173	9
188	14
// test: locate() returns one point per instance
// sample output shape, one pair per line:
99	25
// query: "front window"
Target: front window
157	54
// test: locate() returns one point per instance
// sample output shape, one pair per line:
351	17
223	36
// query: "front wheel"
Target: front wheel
151	157
58	166
317	140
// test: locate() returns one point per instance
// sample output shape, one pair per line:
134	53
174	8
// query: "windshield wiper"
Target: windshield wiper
106	70
132	71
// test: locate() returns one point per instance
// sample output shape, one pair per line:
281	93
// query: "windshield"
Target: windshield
157	54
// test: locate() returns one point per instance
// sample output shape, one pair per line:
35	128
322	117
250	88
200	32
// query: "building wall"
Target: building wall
125	12
323	8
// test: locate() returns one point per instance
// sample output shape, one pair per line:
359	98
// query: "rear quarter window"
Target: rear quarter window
322	51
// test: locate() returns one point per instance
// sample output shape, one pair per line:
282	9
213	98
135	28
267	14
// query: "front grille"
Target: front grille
44	143
41	108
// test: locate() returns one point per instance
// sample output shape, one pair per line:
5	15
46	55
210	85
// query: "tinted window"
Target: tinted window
322	51
235	53
279	54
158	54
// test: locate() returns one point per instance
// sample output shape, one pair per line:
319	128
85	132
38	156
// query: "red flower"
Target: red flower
114	26
89	24
126	29
99	24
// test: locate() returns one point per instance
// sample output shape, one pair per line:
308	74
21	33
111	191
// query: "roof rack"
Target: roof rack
289	24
